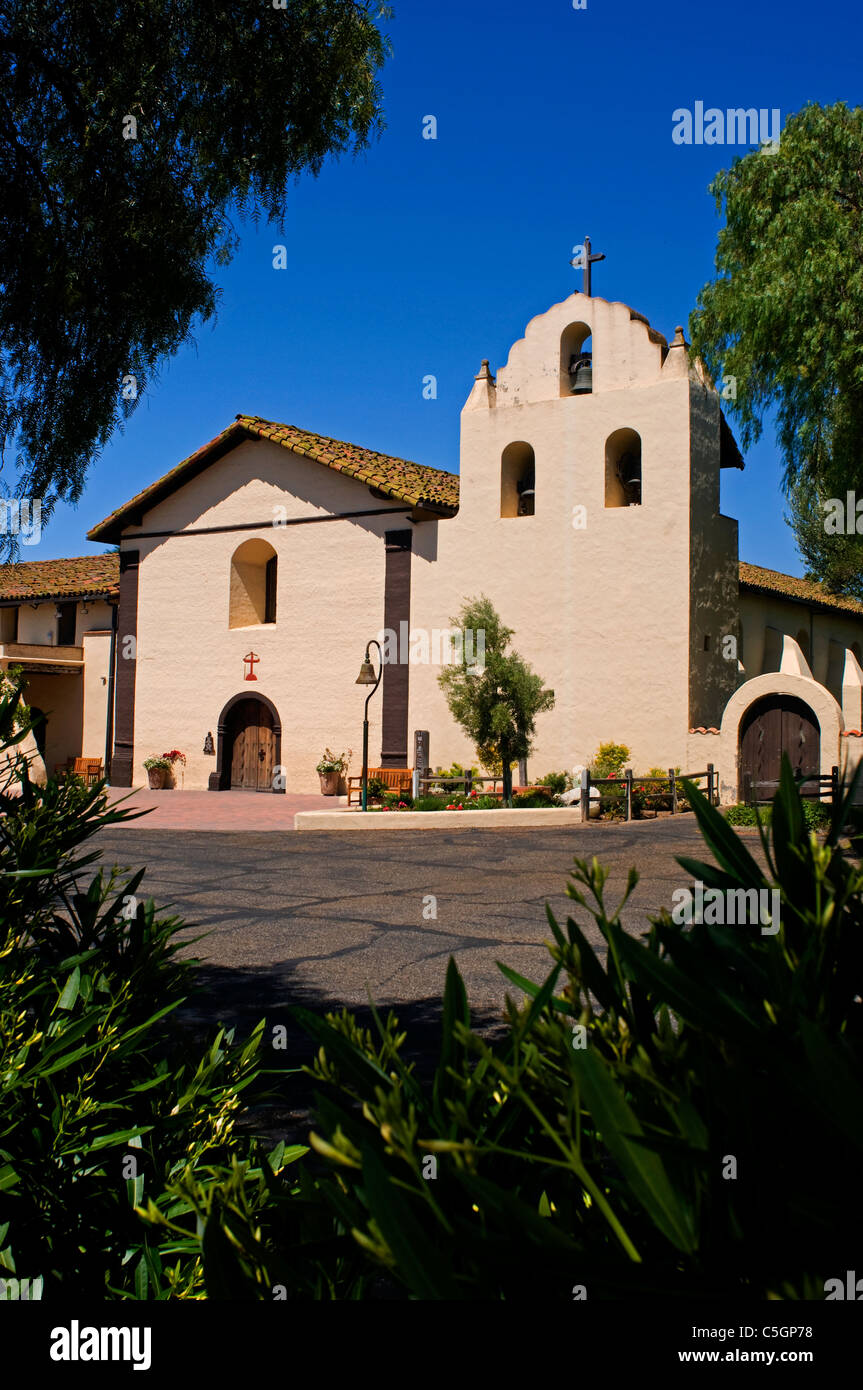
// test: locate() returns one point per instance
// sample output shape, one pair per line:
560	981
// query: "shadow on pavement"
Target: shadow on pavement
239	999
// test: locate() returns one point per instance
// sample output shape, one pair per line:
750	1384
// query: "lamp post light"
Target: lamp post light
367	677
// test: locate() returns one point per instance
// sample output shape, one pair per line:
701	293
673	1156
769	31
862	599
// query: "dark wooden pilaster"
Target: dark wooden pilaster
396	681
122	763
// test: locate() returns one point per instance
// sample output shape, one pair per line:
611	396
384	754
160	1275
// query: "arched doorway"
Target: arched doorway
774	725
249	745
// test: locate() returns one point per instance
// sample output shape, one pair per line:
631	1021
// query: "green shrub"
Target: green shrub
557	782
612	801
537	799
432	803
451	779
816	814
106	1105
610	760
396	799
744	814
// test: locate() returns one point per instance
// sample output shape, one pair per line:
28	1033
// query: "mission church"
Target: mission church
249	579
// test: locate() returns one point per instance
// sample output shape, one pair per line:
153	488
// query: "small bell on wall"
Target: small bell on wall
208	744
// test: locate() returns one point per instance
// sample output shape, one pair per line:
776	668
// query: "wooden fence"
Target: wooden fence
467	783
812	787
666	788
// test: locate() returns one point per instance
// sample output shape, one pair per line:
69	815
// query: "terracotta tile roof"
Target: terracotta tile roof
83	574
399	479
804	590
704	729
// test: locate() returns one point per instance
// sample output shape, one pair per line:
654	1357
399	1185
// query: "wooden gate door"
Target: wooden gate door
775	725
253	747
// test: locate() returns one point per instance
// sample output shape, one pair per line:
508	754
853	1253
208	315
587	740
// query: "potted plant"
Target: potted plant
160	771
331	769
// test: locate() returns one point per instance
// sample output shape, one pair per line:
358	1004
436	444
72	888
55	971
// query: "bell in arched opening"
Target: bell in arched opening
526	487
629	473
580	373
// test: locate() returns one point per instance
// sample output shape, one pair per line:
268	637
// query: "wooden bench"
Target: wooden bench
396	779
88	769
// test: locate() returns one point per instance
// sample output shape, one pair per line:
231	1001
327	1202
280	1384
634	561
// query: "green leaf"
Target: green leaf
70	990
727	847
642	1169
420	1264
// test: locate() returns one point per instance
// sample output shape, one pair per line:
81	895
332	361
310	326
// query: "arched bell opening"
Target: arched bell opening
517	480
576	360
623	469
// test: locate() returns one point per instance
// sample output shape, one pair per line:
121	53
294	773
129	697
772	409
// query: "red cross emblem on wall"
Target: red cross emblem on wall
250	661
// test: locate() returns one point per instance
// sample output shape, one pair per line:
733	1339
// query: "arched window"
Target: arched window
253	585
576	360
517	480
623	469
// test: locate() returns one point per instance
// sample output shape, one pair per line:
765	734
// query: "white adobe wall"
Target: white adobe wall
97	654
38	624
330	601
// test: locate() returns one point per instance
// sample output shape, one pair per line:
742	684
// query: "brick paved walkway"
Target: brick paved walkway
203	810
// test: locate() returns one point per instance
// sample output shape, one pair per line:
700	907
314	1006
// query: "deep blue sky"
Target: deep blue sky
426	256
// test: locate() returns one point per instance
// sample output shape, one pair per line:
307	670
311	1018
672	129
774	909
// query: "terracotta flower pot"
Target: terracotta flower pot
329	782
157	776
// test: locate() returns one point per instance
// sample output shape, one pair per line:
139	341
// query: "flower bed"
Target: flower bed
474	801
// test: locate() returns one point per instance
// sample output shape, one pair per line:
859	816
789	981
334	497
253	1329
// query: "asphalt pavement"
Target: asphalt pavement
331	919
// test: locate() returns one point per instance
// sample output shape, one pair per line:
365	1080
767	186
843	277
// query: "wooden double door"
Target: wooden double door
775	725
252	744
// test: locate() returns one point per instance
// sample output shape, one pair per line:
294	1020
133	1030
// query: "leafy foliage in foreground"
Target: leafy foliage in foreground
90	1075
608	1165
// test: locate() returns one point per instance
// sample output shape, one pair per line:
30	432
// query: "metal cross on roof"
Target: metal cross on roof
583	259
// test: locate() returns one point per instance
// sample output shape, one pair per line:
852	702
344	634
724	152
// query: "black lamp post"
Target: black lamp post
367	677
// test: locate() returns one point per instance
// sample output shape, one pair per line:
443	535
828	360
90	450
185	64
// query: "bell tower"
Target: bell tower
589	486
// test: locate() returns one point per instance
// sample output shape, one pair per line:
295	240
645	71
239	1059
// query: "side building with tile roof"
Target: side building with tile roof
58	624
